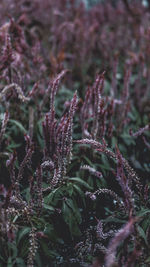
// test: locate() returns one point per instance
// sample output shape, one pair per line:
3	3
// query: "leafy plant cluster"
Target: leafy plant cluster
74	133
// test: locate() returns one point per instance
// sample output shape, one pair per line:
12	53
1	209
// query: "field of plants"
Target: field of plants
74	133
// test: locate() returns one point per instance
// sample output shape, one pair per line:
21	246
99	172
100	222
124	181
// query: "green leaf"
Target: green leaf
142	234
116	220
22	233
113	142
2	116
105	163
74	229
131	116
146	223
20	262
48	207
72	204
88	161
12	146
9	262
47	251
80	192
2	259
53	196
40	141
147	260
78	189
78	180
19	125
143	212
129	140
15	218
24	248
48	229
45	248
38	260
70	189
39	126
13	249
70	219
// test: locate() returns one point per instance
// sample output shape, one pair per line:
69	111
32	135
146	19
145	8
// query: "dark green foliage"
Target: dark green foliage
74	133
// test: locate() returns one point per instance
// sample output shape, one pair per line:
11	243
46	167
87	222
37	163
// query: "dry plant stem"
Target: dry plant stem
18	89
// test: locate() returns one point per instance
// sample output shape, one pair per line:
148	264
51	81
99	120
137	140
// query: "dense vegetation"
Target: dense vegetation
74	133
